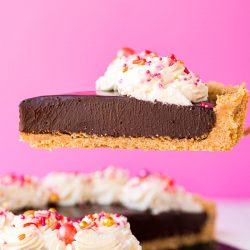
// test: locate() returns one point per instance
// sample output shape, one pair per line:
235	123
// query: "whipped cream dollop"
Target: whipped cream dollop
70	188
27	238
149	77
22	191
157	193
48	230
107	185
106	231
6	218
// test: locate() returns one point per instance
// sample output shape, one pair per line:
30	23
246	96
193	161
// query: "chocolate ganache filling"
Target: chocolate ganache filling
144	225
114	115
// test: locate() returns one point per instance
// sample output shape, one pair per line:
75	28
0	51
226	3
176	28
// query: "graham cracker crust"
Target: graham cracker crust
174	242
231	105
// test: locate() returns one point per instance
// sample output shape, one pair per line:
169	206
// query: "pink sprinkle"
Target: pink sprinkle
172	59
102	214
160	58
22	217
58	225
22	180
157	75
206	105
43	221
144	173
160	85
58	216
160	67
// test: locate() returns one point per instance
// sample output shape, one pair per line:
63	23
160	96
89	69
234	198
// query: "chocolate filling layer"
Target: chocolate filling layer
114	116
144	225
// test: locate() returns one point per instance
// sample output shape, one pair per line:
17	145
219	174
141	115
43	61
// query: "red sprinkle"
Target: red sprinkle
125	52
43	221
148	52
66	233
58	216
29	224
157	75
172	59
186	70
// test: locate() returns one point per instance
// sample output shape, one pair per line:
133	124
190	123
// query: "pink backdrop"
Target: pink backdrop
49	47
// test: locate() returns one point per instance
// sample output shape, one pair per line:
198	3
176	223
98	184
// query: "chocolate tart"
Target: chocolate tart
89	120
161	213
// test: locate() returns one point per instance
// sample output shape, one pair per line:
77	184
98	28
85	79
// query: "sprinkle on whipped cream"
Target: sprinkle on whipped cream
150	77
67	189
155	192
47	229
22	191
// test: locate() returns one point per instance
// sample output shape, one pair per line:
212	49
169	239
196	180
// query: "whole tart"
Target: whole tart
143	101
162	215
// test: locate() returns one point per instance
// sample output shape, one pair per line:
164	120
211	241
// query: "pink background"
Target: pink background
50	47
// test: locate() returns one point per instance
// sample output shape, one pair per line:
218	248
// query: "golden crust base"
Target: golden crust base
230	109
174	242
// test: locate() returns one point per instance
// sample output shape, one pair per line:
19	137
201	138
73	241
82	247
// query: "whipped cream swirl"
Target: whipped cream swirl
6	218
159	194
71	188
36	230
107	185
18	235
149	77
106	231
21	191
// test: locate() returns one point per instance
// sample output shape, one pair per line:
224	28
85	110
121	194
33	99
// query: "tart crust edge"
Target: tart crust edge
207	233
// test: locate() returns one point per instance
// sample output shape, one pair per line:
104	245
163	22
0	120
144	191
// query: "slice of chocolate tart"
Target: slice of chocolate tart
147	102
